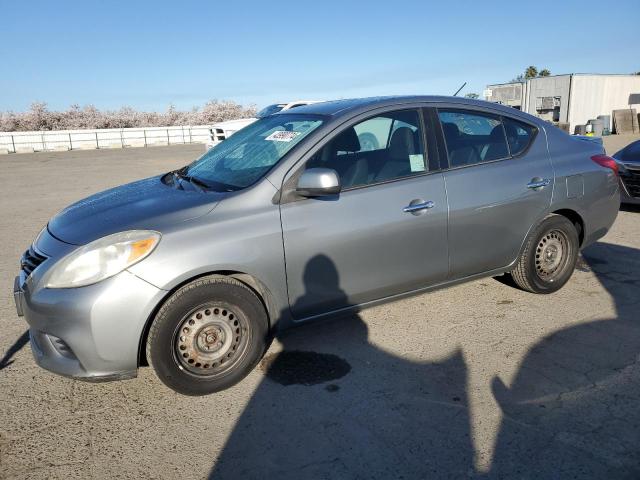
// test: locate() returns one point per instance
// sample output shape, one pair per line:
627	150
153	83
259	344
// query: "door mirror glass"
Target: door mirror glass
318	182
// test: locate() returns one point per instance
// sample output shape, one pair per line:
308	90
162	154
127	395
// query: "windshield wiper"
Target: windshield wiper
180	174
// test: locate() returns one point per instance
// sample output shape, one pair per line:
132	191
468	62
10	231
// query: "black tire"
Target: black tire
207	336
549	256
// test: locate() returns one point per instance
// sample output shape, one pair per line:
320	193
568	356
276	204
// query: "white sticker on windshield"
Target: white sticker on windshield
282	136
417	162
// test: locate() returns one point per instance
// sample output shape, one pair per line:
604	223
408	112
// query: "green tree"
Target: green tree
472	95
544	72
531	72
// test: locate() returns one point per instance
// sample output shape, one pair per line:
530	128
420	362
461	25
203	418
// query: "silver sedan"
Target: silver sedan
305	214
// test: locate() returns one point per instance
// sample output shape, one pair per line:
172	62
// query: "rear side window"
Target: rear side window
473	137
519	135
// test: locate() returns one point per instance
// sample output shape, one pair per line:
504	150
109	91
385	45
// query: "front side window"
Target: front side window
472	137
249	154
376	150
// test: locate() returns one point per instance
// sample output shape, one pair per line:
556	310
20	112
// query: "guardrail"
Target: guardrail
64	140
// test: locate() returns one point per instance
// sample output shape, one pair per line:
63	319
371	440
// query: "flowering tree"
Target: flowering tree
39	117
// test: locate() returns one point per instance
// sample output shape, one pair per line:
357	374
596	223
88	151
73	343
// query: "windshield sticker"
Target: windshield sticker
417	162
282	136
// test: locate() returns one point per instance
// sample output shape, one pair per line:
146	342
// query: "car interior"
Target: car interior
355	167
464	137
465	149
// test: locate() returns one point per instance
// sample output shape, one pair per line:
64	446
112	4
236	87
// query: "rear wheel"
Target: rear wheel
207	336
549	256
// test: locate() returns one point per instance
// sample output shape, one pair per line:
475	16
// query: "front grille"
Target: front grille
631	181
30	260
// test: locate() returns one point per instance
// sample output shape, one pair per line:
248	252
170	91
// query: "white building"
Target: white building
569	100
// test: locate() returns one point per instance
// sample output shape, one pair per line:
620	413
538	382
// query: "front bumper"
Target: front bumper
91	333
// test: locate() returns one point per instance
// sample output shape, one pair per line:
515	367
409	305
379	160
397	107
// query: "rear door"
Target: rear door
499	183
384	234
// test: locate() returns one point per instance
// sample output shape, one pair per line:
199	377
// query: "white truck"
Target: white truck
223	130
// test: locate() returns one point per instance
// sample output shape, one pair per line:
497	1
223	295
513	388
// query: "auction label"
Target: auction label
282	136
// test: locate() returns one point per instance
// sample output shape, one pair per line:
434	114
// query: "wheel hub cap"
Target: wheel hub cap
209	339
550	253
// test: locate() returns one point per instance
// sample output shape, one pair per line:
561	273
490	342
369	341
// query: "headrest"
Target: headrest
497	134
451	131
402	143
347	141
511	131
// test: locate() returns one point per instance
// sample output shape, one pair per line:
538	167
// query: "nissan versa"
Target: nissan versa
304	214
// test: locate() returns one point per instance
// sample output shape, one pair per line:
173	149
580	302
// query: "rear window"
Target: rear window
519	135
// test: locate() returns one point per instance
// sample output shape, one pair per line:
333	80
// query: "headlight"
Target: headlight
102	258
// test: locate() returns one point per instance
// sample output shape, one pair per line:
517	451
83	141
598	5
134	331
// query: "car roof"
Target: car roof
337	108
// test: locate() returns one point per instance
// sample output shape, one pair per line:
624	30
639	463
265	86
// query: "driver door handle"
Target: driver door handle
538	183
418	206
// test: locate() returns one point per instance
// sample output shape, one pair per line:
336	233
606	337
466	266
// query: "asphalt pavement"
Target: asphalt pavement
475	381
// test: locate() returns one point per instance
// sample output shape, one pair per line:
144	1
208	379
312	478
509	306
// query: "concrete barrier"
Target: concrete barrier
56	140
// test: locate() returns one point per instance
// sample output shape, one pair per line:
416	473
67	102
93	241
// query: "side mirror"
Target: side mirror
318	182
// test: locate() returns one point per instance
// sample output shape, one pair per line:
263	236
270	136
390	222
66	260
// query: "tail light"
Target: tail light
606	161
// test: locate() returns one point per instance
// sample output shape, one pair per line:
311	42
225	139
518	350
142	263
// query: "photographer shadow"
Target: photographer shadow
572	409
333	405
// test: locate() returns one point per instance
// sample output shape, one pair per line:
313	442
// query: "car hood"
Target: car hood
145	204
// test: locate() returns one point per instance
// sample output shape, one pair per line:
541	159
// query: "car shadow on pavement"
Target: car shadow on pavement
333	405
630	207
572	409
7	359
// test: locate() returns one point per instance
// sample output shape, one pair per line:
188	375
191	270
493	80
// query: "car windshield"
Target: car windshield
270	110
248	155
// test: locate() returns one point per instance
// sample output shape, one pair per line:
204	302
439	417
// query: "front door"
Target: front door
384	234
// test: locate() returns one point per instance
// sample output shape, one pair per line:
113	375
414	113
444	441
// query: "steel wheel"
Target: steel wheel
551	254
208	335
210	339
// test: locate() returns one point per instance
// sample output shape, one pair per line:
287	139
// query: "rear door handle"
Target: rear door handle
538	183
418	206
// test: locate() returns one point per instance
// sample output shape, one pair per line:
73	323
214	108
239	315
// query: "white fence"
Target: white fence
63	140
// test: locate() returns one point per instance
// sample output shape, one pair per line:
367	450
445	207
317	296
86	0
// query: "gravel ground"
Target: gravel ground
479	380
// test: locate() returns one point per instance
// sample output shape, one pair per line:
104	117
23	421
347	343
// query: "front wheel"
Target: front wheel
207	336
549	256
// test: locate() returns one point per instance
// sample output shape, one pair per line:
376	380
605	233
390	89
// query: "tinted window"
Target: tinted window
376	150
519	135
472	137
631	153
248	154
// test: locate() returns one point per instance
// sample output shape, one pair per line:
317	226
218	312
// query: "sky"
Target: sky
148	55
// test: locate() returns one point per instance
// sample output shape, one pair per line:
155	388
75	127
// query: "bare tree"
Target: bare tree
39	117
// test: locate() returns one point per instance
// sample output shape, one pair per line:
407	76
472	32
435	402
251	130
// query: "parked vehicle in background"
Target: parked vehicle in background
223	130
187	271
629	166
